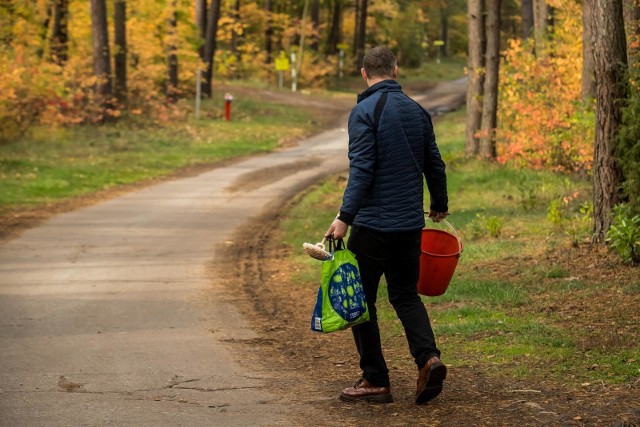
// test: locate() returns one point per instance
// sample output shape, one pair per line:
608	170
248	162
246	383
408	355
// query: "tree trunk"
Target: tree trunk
235	37
268	35
610	53
356	18
43	30
335	32
527	18
59	32
541	17
101	56
362	34
201	23
315	19
588	80
490	92
210	47
476	77
120	54
172	57
444	31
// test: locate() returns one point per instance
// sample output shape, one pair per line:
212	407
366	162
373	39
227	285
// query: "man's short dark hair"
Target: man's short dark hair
379	62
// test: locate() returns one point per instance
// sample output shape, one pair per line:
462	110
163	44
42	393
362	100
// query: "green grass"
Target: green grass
53	164
430	70
491	314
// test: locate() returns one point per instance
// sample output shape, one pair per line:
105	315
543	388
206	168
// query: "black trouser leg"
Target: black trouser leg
402	278
367	335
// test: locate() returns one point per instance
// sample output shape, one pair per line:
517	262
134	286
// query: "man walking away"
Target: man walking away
391	147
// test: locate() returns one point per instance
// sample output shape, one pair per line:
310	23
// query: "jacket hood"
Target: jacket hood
383	86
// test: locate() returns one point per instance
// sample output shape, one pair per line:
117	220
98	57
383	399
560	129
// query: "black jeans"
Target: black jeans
397	256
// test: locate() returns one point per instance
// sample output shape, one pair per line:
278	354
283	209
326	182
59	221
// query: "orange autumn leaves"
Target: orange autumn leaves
543	121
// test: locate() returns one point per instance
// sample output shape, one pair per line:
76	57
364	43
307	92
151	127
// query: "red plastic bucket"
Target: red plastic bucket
438	260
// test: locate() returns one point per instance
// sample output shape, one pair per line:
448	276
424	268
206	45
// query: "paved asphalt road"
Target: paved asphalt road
102	319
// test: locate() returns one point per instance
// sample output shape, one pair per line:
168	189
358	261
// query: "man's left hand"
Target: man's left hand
338	229
438	216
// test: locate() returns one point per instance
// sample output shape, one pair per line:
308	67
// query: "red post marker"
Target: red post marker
227	106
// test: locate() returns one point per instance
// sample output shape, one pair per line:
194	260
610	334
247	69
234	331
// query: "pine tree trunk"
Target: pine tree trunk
356	33
120	54
362	34
610	53
335	32
210	47
444	31
527	18
43	28
268	35
101	55
172	57
588	80
60	32
201	23
476	76
541	17
235	37
315	19
490	92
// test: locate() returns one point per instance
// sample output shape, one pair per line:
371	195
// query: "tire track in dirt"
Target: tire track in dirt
259	178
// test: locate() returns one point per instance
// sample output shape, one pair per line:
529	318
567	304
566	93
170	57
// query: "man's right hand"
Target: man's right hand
338	229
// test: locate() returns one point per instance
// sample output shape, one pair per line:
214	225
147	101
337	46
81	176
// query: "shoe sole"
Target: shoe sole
433	387
375	398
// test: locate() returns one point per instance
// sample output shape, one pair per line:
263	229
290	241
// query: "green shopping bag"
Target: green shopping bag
341	301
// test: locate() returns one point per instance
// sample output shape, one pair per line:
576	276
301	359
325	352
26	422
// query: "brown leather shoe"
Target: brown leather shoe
363	390
430	379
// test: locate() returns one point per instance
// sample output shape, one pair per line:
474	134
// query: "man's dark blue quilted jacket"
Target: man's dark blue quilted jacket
385	187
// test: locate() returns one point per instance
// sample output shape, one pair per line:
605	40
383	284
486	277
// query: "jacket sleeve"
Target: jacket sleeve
434	171
362	157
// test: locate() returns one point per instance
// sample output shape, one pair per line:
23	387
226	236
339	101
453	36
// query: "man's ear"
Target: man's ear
395	72
364	74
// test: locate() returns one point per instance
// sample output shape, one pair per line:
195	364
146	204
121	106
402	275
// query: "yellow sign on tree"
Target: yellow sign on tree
282	62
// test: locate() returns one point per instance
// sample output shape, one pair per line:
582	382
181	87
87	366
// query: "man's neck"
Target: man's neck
375	80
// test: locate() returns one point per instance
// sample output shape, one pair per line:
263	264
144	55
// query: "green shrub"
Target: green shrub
578	226
554	212
624	234
528	192
482	225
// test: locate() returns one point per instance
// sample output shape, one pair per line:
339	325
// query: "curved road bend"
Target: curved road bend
100	319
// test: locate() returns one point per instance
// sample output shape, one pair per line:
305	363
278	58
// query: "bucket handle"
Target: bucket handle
455	233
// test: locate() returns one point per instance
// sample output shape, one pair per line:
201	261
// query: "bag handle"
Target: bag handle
335	245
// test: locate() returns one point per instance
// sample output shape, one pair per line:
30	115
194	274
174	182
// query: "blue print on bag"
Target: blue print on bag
346	293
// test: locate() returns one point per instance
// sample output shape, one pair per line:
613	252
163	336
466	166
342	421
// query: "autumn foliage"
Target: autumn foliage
543	121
